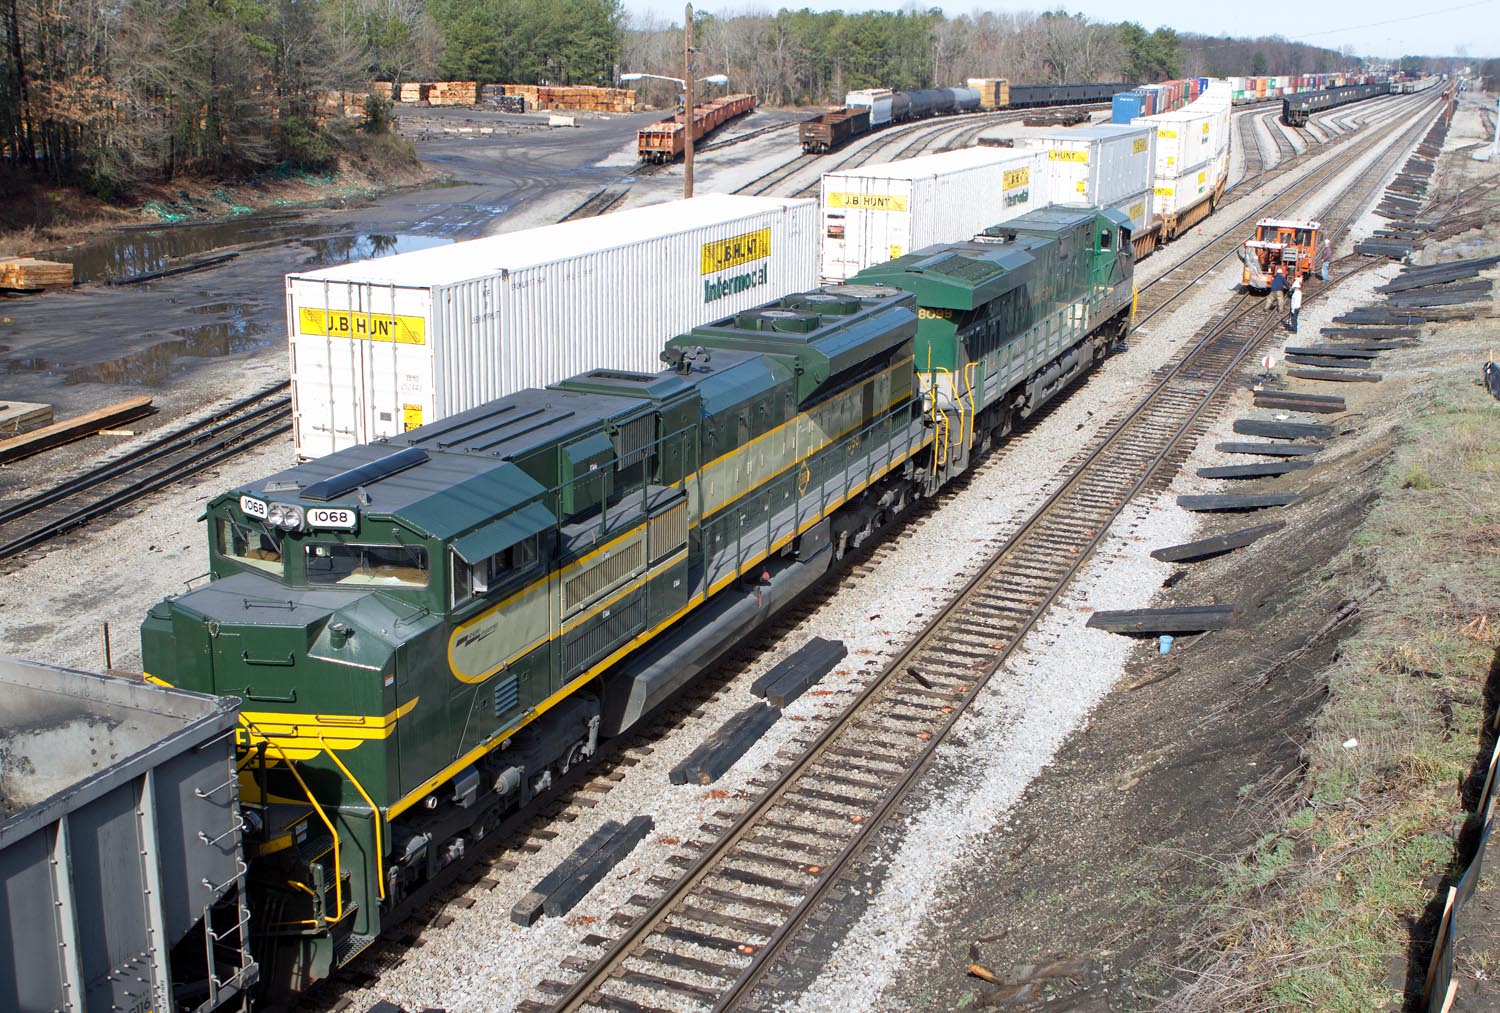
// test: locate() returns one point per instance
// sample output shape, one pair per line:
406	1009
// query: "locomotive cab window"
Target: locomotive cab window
473	581
1106	240
248	544
351	565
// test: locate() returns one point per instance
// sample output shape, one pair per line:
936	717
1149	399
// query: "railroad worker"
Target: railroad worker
1278	289
1296	302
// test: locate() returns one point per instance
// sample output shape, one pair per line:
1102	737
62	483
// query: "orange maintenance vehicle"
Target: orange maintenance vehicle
1296	244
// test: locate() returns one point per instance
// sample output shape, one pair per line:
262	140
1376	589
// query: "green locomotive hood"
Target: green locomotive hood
268	644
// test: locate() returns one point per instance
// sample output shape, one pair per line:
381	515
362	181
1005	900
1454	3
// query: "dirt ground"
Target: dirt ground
1106	856
1093	896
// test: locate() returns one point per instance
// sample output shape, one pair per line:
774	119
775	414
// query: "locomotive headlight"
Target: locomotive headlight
284	516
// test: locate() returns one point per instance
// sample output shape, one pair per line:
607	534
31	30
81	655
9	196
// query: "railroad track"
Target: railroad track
166	459
598	203
717	935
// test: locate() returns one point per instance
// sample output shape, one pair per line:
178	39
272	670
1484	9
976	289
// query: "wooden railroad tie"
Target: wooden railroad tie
1178	619
72	429
1207	548
1236	501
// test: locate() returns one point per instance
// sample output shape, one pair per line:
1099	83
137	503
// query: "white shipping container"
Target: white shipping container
382	346
876	213
1175	193
1101	164
1184	140
877	100
1140	208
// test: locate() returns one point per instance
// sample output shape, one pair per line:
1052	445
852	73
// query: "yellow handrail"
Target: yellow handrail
338	870
374	814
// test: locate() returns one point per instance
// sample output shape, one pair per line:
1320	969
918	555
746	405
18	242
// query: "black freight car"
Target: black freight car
1295	109
831	129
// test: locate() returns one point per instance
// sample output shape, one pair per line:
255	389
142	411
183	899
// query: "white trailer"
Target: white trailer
876	213
382	346
1102	164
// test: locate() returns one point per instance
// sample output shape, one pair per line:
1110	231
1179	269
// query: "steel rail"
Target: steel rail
583	990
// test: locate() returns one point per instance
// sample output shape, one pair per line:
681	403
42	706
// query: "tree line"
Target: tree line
102	93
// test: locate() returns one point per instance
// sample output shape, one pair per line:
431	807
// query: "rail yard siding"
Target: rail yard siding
878	212
382	346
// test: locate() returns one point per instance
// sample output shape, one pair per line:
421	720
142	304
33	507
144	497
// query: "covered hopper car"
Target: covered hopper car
427	630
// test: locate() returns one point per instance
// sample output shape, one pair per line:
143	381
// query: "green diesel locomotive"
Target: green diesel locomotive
425	631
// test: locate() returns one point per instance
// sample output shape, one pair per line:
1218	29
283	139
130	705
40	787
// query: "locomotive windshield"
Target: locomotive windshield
252	545
349	565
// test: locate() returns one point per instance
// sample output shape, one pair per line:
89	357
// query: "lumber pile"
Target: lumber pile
19	417
27	274
72	429
581	98
453	93
382	88
413	92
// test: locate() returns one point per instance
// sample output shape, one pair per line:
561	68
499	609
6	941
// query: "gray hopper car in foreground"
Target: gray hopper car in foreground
121	880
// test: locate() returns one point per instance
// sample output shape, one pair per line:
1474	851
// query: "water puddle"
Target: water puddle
158	362
332	250
139	251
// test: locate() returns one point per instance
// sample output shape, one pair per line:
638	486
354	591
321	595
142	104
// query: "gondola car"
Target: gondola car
426	631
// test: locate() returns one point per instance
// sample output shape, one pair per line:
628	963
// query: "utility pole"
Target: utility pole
687	101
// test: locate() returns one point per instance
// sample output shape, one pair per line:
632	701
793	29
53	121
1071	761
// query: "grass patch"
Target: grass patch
1321	914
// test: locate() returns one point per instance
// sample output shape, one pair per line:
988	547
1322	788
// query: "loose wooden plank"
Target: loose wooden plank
1334	375
1207	548
1289	405
1270	449
17	417
1363	333
28	274
1342	351
723	748
1274	430
72	429
1181	619
1236	501
1327	361
1261	469
167	272
799	671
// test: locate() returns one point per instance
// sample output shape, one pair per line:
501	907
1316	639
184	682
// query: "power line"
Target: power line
1394	21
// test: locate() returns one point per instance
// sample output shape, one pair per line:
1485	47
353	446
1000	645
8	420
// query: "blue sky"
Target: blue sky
1371	27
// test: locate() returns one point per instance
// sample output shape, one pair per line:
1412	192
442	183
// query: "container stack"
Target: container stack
1192	157
877	213
1107	165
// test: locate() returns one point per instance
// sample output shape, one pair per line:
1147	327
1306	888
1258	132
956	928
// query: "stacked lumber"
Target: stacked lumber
381	88
72	429
27	274
414	92
334	105
581	98
19	417
453	93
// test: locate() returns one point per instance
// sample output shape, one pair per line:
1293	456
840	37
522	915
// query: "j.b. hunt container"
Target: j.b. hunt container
1101	165
879	212
382	346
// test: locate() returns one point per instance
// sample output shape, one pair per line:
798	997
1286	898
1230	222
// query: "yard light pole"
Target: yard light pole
686	84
